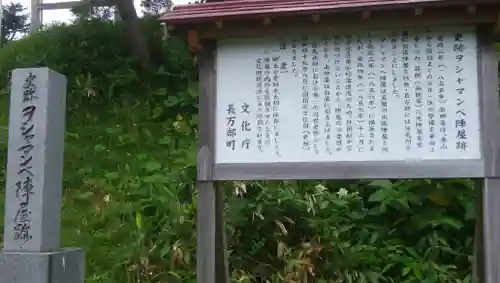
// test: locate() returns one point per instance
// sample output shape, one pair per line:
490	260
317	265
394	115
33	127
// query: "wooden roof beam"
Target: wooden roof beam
419	11
366	15
471	9
495	35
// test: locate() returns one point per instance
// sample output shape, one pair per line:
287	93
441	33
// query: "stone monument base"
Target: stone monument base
65	266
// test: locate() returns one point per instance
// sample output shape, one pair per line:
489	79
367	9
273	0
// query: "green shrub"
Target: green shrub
129	184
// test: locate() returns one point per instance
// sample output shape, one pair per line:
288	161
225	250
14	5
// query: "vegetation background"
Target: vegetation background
129	197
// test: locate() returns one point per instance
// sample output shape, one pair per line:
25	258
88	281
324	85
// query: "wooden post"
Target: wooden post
212	262
489	253
487	250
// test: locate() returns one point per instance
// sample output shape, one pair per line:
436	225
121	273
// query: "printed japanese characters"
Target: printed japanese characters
367	96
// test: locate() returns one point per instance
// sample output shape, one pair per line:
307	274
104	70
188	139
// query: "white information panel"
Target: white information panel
384	95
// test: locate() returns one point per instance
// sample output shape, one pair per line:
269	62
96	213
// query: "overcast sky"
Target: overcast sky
50	16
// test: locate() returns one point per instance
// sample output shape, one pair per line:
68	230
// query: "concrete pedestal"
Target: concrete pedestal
65	266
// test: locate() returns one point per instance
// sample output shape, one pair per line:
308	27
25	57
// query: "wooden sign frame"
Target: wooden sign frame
212	262
487	166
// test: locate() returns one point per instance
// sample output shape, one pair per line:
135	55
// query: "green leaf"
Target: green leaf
72	135
112	176
171	101
165	140
447	221
138	220
403	202
157	111
99	148
379	195
154	179
374	277
153	166
161	92
83	196
383	184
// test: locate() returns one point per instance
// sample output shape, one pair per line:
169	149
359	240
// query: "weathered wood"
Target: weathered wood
478	262
489	256
205	237
496	29
212	261
206	65
489	101
212	265
221	257
487	234
348	21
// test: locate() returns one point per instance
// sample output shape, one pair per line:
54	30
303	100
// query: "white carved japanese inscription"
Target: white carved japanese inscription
376	95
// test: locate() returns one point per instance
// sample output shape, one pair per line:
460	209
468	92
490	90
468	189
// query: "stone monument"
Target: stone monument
31	250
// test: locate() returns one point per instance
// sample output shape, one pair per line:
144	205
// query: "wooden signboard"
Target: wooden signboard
411	92
375	100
